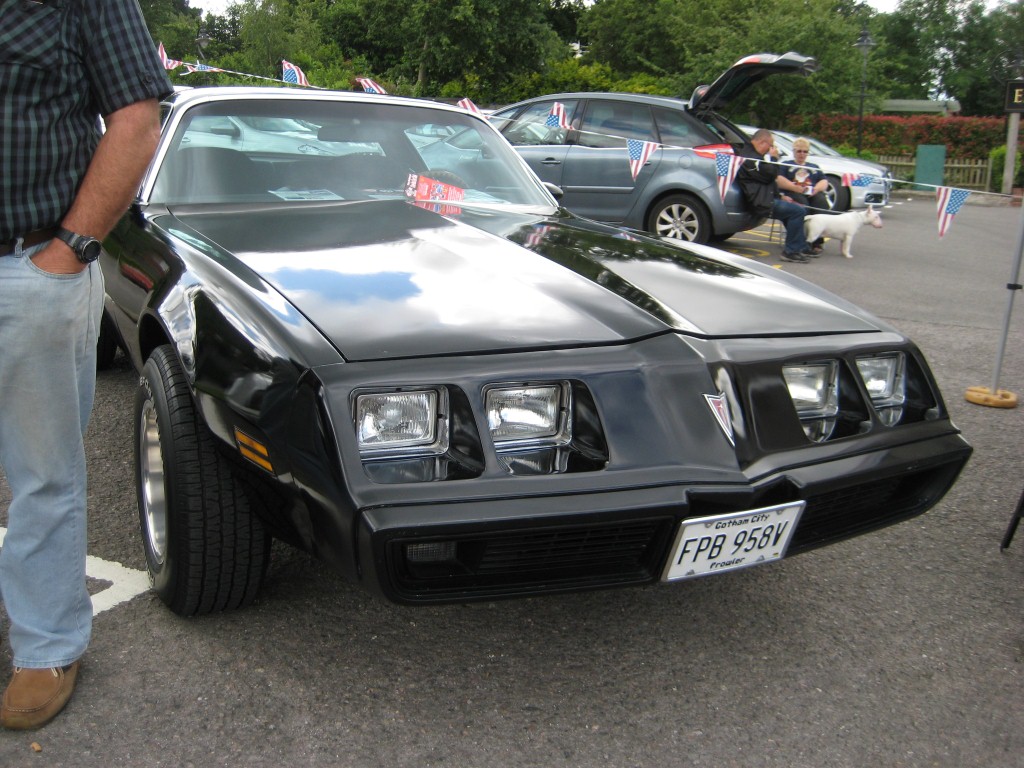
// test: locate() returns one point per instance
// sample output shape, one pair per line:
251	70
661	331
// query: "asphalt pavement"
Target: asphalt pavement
904	647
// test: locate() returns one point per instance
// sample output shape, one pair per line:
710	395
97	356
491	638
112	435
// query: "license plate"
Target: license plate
722	543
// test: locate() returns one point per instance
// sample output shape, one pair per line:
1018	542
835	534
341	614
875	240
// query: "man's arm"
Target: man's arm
115	171
788	185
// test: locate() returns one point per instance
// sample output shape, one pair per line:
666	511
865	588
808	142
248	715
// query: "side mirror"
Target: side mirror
555	190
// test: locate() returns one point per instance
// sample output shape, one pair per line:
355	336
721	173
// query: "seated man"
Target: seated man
758	180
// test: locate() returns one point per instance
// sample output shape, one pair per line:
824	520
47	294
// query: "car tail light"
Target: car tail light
710	150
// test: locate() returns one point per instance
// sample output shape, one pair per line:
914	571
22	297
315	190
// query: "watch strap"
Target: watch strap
78	243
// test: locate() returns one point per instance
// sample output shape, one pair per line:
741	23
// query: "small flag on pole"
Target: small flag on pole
292	74
639	153
556	117
168	63
469	106
198	67
726	166
949	201
369	86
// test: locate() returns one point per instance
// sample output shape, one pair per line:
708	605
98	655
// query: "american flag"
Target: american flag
369	86
857	179
168	63
639	153
949	201
726	166
197	67
292	74
469	106
556	117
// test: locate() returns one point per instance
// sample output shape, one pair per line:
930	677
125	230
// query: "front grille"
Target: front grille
538	560
857	509
611	547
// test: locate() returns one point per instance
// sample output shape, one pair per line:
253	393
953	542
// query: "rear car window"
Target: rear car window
611	123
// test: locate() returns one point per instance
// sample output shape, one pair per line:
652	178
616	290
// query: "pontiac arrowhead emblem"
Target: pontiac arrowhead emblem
720	407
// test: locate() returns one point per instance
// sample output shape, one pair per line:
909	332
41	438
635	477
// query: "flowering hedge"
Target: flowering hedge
964	137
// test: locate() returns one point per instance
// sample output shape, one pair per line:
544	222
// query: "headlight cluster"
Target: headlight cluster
401	423
816	390
885	379
419	435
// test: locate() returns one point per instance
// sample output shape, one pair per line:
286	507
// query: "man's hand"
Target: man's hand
57	258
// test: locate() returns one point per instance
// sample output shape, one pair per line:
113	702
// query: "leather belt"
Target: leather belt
30	239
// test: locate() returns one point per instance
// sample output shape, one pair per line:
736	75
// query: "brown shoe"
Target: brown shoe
36	696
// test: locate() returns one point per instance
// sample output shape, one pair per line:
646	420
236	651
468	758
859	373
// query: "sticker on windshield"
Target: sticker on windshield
423	189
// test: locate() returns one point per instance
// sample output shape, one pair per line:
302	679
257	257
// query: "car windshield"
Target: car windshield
288	150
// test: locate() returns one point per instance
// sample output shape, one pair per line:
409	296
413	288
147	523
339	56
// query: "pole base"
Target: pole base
984	396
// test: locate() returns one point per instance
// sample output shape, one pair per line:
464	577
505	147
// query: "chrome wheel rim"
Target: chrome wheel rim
151	481
678	221
830	195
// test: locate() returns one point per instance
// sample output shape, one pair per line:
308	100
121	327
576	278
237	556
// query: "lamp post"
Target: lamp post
865	43
202	41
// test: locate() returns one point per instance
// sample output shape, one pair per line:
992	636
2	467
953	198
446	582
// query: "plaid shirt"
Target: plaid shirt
63	63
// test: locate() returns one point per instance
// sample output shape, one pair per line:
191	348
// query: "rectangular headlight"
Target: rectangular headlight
528	415
885	378
400	422
814	388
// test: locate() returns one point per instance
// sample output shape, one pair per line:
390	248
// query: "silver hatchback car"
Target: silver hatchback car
581	143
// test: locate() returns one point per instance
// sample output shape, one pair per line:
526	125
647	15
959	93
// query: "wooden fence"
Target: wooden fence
966	174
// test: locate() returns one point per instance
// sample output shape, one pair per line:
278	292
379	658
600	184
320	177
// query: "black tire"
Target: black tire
682	217
106	344
838	196
206	550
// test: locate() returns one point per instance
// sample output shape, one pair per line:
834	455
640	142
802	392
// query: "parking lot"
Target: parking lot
904	647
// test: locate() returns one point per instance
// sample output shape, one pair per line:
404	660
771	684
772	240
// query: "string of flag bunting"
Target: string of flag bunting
949	200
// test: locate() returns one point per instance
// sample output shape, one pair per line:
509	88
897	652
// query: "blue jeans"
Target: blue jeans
792	217
48	330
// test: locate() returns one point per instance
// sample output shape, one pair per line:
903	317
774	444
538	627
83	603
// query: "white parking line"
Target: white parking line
125	583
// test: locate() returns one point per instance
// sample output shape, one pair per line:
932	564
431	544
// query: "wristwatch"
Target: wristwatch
86	248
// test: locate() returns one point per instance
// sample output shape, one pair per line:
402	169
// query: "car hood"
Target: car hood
744	73
389	279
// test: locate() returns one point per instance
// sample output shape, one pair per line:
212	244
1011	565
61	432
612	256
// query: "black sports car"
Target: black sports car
375	335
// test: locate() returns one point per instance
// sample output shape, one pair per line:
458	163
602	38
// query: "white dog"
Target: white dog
842	226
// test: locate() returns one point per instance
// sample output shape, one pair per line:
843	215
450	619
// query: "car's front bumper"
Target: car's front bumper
547	544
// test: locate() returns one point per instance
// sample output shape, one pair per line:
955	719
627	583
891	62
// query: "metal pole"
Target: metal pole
865	44
1012	128
1011	152
863	89
1013	286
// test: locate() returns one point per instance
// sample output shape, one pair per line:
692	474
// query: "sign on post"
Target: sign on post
1015	96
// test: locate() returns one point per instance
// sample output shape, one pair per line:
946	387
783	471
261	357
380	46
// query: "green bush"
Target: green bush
963	137
998	157
847	151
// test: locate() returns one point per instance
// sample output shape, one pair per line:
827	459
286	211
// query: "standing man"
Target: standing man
63	63
758	179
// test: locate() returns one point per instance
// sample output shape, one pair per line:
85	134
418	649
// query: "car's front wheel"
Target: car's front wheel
205	549
838	196
682	217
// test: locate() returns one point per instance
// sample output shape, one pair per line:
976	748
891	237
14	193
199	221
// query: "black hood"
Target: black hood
386	279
